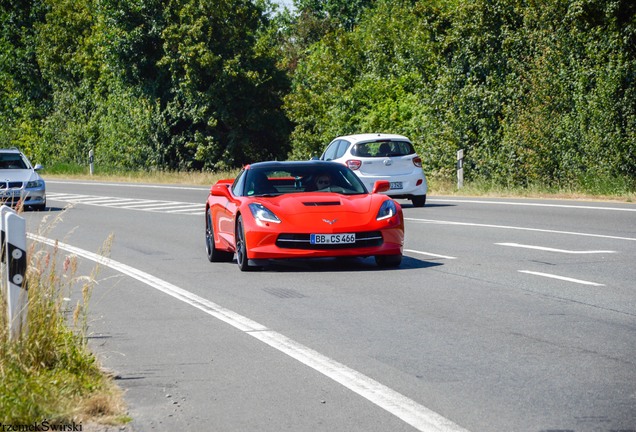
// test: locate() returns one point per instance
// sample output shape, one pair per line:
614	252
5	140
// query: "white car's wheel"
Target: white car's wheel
418	200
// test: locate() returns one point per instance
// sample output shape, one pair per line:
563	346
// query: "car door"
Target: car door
226	214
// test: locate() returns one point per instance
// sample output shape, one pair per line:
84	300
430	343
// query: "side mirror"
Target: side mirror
381	186
222	190
38	167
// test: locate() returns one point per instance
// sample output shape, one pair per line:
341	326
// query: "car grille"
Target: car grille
10	185
301	241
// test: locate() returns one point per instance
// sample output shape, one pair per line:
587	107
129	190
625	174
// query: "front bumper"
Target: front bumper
263	244
28	197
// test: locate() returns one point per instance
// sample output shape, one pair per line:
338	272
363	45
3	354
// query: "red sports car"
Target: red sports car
309	209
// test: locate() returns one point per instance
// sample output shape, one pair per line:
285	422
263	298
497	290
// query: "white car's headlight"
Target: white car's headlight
262	213
35	184
387	210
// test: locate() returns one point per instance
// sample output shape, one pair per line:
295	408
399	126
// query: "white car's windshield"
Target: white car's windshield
383	149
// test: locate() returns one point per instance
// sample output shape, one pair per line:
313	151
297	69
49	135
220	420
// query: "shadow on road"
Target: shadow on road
341	265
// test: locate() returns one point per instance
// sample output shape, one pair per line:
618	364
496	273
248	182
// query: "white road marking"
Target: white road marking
156	206
65	197
563	278
568	206
441	222
429	254
129	185
197	207
407	410
547	249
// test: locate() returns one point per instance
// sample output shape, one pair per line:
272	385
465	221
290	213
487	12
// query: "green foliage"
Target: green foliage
24	94
534	92
178	85
343	13
366	80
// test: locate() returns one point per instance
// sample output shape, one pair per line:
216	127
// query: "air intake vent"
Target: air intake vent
321	203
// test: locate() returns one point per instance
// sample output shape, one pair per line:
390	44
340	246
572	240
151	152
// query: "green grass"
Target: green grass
601	190
48	373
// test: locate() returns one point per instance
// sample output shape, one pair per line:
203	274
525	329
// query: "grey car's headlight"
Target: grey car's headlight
262	213
35	184
387	210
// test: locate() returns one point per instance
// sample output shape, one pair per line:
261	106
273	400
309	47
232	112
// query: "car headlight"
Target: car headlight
35	184
262	213
387	210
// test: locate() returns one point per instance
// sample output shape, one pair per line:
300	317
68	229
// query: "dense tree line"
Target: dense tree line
534	91
184	84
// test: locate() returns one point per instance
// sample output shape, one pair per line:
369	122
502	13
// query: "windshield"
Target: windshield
298	178
383	149
12	161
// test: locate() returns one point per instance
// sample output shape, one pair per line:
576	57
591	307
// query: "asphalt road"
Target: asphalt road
506	315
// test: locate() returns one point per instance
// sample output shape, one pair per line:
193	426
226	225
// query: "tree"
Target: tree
24	93
224	104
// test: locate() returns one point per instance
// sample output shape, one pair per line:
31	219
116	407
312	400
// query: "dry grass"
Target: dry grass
437	185
158	177
48	373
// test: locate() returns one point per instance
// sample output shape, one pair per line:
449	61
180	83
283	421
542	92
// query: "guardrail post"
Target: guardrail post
91	158
3	236
14	259
460	169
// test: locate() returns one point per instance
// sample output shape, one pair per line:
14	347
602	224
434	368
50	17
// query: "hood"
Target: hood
18	175
311	209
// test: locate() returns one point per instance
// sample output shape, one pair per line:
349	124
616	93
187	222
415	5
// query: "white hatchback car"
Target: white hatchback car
382	157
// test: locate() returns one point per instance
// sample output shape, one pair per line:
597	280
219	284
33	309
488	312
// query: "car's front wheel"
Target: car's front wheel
388	260
214	255
241	246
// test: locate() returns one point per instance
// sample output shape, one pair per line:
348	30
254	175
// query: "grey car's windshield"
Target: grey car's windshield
292	178
12	161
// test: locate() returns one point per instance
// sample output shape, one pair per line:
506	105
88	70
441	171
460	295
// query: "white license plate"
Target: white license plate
332	238
396	185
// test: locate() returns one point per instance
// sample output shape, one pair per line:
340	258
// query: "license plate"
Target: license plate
332	238
396	185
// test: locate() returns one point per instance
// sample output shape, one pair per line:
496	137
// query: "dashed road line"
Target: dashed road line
429	254
563	278
565	251
469	224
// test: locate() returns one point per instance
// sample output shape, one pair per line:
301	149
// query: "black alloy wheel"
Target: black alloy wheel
214	255
241	246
